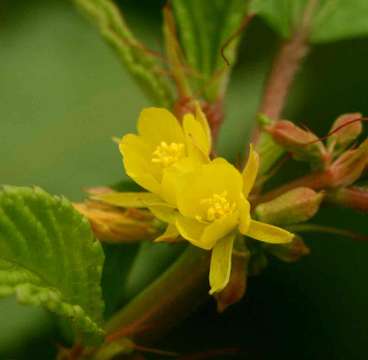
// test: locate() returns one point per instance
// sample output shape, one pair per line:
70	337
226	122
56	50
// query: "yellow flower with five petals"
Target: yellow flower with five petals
213	208
163	144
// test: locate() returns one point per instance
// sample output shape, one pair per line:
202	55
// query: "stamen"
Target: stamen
218	206
167	154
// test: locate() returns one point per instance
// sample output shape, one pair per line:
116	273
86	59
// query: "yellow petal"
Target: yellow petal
196	137
244	215
191	230
170	235
137	157
250	171
215	178
133	199
218	229
173	179
220	267
164	213
158	124
268	233
201	118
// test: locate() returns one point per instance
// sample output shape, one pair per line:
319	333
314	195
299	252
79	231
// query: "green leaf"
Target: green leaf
331	20
139	61
281	15
205	26
49	258
340	19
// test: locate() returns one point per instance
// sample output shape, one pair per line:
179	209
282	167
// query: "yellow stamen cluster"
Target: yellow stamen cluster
167	154
218	206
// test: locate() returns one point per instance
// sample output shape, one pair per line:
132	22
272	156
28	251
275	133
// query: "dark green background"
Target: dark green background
63	95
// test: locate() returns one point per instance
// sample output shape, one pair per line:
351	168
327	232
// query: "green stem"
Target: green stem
162	304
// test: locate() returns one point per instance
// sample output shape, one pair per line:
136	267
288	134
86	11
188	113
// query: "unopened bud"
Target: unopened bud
116	225
349	166
237	285
295	206
289	252
302	144
347	128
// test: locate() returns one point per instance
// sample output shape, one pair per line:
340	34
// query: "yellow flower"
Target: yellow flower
163	145
213	208
203	201
207	206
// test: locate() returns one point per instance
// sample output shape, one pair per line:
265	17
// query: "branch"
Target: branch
315	181
163	303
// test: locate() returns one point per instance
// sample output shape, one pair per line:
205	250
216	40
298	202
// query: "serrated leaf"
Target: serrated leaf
205	26
137	59
49	258
332	19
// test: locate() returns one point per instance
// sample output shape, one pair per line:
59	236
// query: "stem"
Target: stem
162	304
283	71
327	230
315	181
284	68
354	198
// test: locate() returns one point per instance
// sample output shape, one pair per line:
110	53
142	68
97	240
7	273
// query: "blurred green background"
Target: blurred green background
63	95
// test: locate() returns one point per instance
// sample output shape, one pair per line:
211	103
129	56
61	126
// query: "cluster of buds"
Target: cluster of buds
336	164
342	164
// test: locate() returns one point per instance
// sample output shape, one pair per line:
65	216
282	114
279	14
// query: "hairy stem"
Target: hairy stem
284	68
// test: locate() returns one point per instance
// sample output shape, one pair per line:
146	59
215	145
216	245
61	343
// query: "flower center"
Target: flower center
167	154
218	206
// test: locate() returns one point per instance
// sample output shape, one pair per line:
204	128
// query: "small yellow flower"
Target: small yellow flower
164	145
213	207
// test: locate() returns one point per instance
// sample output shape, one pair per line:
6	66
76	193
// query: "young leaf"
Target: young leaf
331	20
205	27
138	60
49	258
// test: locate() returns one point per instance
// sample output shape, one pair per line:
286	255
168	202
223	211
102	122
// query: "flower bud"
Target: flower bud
289	252
347	128
349	166
116	225
302	144
295	206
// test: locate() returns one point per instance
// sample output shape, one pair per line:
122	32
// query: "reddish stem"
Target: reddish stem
316	181
284	69
354	198
282	75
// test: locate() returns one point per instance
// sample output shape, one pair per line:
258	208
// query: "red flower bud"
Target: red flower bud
302	144
349	166
344	131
